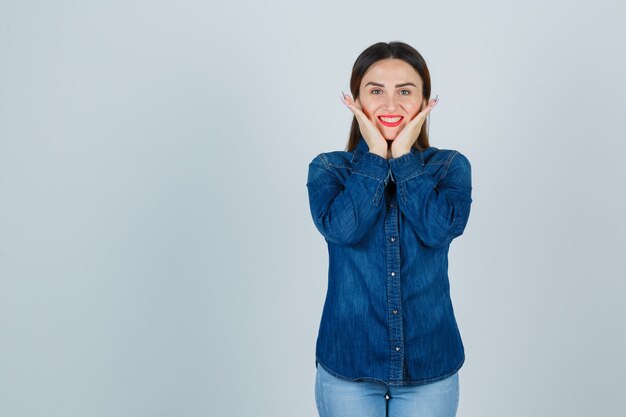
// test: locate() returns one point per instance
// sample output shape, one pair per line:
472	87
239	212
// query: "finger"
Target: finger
346	100
426	111
419	118
355	107
362	114
346	97
358	104
430	104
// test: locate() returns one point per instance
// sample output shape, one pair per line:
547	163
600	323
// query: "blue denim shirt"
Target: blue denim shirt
388	224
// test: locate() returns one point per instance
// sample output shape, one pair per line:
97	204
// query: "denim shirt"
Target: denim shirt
388	224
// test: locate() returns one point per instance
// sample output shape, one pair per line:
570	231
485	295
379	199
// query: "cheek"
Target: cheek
416	108
368	108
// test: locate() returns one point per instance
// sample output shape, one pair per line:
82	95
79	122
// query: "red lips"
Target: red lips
390	116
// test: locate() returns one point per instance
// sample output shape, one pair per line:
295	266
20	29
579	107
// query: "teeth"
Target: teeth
390	119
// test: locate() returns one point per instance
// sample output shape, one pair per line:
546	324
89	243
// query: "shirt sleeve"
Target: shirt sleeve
438	211
343	213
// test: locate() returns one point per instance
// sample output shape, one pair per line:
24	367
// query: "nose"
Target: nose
391	104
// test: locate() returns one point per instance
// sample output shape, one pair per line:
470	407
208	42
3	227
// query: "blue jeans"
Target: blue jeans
336	397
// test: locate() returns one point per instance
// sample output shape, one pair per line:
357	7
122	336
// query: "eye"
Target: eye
408	91
376	89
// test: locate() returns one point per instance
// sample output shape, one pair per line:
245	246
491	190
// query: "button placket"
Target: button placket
396	336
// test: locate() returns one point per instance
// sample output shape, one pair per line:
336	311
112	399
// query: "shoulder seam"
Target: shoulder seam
324	159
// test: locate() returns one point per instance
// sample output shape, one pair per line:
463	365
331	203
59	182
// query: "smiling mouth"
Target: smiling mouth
390	121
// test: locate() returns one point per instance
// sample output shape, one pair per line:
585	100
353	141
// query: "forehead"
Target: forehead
391	72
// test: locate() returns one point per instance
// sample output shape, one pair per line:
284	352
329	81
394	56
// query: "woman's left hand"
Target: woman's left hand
406	138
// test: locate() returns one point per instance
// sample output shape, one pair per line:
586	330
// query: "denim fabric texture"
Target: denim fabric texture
335	397
388	225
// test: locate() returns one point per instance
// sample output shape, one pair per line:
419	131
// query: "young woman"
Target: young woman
388	207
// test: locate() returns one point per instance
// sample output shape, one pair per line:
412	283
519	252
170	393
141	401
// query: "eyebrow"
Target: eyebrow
382	85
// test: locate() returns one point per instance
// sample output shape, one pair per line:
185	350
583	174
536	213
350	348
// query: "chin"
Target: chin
390	135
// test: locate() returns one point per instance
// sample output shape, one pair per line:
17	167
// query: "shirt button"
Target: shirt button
393	239
394	311
397	348
390	204
393	274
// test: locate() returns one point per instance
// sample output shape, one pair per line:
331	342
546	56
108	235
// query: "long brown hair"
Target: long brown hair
386	50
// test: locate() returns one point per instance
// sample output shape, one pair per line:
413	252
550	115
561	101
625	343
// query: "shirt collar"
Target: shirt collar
362	148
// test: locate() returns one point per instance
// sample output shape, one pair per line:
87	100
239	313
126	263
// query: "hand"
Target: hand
410	132
373	137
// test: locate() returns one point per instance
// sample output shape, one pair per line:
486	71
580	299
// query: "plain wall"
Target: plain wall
157	254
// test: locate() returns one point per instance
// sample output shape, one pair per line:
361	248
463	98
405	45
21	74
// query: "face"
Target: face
391	95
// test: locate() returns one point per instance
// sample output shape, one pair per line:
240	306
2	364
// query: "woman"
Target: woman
388	208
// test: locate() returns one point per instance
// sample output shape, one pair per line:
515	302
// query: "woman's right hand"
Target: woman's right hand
375	140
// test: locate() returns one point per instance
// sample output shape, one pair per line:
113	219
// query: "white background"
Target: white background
157	255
